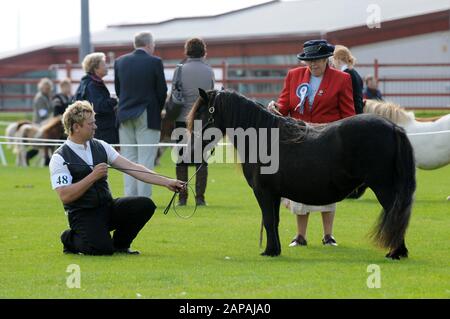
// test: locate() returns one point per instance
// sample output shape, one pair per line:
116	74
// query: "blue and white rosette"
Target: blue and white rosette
302	92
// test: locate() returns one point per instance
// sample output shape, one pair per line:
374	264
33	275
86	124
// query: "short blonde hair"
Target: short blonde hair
92	61
45	81
76	113
343	53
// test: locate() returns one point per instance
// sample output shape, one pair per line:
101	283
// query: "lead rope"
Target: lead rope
137	170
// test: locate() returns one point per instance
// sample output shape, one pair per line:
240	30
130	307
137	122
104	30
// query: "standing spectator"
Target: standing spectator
93	89
42	110
344	60
62	99
42	104
371	91
142	90
315	94
195	74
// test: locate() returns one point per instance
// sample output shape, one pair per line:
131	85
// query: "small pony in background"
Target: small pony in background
432	150
12	128
50	129
22	129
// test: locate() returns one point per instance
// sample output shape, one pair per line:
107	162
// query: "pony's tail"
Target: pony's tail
391	227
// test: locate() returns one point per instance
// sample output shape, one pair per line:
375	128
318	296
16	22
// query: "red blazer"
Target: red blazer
333	100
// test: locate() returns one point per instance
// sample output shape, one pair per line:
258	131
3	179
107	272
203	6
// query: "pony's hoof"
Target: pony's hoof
271	253
395	255
392	256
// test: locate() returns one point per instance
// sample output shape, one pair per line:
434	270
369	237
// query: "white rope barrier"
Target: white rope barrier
428	133
113	145
15	138
30	144
53	142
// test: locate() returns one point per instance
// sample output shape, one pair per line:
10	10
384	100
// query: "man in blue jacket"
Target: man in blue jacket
141	88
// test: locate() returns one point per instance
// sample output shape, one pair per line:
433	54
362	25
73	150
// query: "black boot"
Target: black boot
182	175
65	239
200	185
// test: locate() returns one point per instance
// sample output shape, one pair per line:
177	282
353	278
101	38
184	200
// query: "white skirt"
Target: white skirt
303	209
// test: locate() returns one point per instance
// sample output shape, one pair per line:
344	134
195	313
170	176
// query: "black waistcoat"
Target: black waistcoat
98	194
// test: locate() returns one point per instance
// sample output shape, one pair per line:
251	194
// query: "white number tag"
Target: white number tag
61	180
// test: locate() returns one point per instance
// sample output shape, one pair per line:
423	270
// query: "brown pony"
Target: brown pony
50	129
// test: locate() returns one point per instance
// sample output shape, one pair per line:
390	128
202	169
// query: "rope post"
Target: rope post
2	157
224	74
375	69
69	69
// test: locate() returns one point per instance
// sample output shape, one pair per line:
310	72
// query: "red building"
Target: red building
271	34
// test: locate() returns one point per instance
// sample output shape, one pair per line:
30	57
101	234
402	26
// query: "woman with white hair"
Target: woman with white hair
93	89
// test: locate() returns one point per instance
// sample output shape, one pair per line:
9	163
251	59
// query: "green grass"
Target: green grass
215	253
13	116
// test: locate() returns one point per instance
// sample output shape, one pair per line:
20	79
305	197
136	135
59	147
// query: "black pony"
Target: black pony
321	165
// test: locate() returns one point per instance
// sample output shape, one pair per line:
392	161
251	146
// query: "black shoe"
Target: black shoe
182	202
127	251
64	237
299	240
67	251
200	201
329	240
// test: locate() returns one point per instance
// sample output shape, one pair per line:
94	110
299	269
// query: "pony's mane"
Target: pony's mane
389	110
254	114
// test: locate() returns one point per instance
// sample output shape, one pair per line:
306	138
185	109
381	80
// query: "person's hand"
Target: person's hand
272	107
175	185
100	171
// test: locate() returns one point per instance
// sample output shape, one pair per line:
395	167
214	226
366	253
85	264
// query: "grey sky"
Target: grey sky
43	21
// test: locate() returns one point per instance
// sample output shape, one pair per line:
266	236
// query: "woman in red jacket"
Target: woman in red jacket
315	94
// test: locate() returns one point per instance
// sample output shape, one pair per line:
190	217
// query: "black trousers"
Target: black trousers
90	228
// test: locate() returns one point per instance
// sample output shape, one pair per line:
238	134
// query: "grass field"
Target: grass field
215	253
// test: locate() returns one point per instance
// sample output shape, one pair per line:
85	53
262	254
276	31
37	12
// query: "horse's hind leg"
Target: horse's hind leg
386	197
400	251
270	208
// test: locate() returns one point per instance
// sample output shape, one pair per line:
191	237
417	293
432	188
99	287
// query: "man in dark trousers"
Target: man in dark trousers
141	88
78	172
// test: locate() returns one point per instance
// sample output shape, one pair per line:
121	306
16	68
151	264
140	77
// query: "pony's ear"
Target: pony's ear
203	95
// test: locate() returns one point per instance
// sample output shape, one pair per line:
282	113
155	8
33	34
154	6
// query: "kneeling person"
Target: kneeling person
78	172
